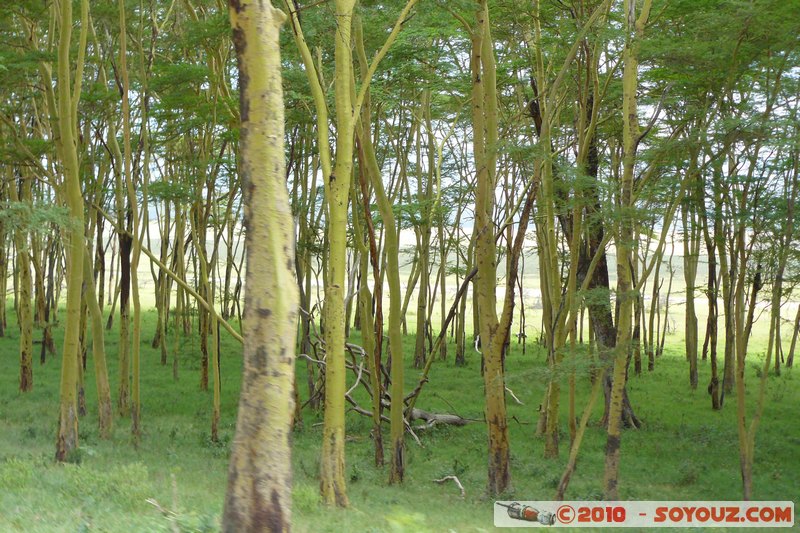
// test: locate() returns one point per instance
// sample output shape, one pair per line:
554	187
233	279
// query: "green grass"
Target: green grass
685	451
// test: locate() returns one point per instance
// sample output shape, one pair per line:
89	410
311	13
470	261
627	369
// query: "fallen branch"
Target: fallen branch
360	410
432	419
511	392
518	421
358	377
414	435
455	480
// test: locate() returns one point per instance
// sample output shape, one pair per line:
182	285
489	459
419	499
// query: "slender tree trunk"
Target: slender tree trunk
636	344
67	435
392	272
370	171
337	185
424	197
23	269
714	385
105	415
3	267
135	240
790	357
461	326
652	340
634	30
691	257
48	345
485	132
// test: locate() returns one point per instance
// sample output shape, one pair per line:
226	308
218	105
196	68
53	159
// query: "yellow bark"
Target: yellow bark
104	411
259	480
337	178
67	438
23	267
337	188
484	119
624	238
133	212
392	273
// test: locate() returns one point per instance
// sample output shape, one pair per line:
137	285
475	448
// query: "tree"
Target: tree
626	287
337	176
493	332
67	438
259	478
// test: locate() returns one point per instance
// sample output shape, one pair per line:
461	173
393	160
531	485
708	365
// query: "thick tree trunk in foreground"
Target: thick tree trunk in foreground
259	478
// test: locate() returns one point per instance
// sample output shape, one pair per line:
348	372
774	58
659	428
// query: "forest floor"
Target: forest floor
175	479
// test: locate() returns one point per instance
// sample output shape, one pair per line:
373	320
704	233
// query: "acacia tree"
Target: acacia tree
259	479
23	268
634	26
493	331
369	166
337	178
68	96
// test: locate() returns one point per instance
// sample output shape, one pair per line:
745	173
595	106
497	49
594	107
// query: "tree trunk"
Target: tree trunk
67	435
337	188
635	29
691	248
485	132
105	415
23	269
258	497
796	330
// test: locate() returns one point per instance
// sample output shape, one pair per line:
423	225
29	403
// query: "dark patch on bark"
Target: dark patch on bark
275	515
248	188
26	375
240	43
260	358
264	313
260	515
398	462
612	444
232	518
67	439
125	244
81	400
339	490
498	472
714	391
499	477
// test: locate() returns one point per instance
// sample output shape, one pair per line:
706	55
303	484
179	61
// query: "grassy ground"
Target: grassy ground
685	451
